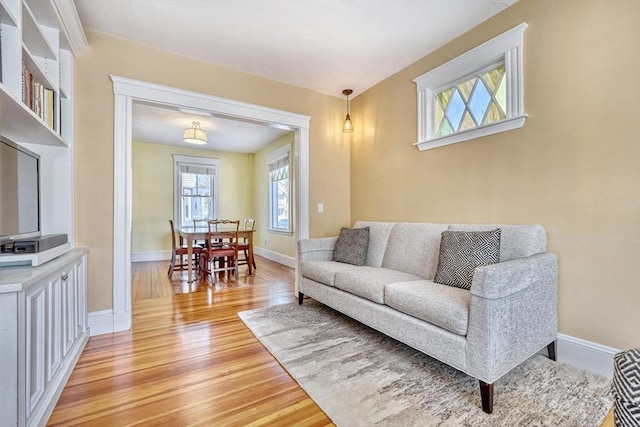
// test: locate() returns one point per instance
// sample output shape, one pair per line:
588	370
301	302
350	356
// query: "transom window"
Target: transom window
196	194
477	101
476	94
278	166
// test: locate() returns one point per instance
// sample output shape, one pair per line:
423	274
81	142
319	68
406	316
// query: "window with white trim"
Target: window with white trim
196	189
479	93
279	178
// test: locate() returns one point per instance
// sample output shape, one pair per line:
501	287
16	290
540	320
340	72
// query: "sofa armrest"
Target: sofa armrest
317	249
513	314
505	278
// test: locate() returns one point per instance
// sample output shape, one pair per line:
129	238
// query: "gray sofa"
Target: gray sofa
508	314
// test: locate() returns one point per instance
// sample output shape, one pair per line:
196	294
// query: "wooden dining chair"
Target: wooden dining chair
243	244
179	254
221	252
199	224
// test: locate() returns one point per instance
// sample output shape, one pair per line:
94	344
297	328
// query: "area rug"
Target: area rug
360	377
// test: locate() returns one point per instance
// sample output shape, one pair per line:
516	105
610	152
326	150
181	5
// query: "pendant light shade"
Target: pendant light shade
195	135
347	127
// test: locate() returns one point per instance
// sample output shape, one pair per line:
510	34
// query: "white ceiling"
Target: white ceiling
165	124
322	45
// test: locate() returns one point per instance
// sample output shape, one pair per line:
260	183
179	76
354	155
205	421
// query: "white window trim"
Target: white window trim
507	46
274	156
196	161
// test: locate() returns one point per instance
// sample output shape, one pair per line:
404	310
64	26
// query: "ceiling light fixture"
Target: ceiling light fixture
195	135
347	127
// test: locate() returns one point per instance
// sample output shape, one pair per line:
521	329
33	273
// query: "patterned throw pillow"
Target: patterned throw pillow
352	245
462	251
626	388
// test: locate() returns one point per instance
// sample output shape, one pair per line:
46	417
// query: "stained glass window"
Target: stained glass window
474	102
476	94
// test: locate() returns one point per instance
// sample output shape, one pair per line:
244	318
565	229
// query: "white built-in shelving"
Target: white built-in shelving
43	37
36	45
43	310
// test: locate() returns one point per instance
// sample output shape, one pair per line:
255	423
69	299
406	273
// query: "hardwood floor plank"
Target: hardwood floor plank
189	359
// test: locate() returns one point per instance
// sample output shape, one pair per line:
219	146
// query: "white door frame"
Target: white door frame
126	91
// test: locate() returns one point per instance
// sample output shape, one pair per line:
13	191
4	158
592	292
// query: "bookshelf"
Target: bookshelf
36	65
43	37
44	316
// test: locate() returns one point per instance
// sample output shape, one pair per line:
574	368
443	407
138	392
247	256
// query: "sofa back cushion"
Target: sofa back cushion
413	248
516	241
378	237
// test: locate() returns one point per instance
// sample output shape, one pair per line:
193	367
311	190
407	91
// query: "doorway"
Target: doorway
126	91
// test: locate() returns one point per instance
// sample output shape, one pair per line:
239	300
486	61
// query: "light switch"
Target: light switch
320	208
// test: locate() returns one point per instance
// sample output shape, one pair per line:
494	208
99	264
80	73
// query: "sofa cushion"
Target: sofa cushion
462	251
351	246
378	238
413	248
516	241
369	282
443	306
324	271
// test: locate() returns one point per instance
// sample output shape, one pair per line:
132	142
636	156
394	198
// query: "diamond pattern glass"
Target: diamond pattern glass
445	128
494	114
479	101
501	95
467	122
475	102
466	88
492	78
455	110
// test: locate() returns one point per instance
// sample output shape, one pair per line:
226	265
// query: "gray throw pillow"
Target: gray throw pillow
462	251
352	245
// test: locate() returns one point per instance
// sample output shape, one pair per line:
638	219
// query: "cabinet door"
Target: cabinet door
35	306
54	327
80	278
69	310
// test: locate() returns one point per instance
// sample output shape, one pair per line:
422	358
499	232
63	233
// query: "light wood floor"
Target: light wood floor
189	359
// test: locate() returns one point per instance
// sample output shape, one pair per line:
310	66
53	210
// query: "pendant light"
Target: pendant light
195	135
347	127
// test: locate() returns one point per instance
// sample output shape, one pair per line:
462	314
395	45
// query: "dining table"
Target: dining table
191	234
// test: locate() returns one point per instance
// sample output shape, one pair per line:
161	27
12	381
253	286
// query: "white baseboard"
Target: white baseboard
166	256
106	322
275	256
151	256
587	355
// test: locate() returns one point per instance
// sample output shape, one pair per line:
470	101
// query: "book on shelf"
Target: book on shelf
40	99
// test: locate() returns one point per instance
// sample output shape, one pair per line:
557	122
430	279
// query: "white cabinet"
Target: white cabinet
43	311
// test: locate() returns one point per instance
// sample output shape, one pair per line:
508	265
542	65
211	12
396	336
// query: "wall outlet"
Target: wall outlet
320	208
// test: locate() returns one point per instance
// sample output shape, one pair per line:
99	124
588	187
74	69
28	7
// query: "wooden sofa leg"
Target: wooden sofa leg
551	349
486	393
300	297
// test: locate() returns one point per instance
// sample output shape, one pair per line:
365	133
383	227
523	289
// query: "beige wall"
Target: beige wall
574	167
276	242
105	56
153	190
